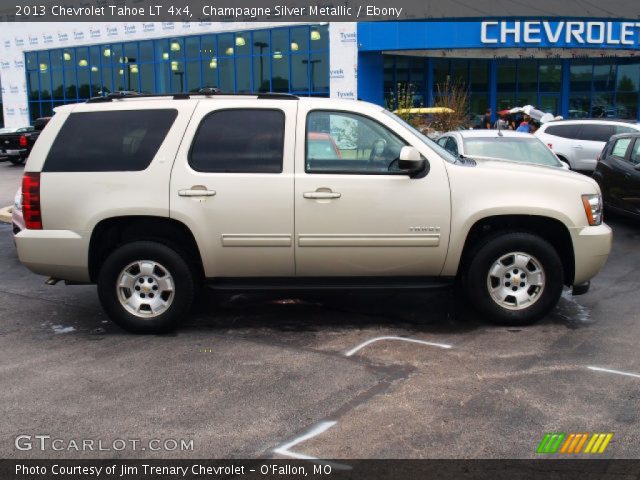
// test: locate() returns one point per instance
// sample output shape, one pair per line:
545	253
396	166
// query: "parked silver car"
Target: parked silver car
499	145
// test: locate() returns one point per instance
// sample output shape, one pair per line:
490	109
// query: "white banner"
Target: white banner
343	60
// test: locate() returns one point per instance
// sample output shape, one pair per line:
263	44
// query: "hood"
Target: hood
480	158
502	166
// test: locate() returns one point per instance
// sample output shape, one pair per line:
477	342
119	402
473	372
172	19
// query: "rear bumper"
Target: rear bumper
13	153
55	253
591	246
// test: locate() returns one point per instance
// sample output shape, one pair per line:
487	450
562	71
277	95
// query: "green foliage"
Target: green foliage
406	92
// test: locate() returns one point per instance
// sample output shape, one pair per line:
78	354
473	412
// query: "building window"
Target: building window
288	59
604	88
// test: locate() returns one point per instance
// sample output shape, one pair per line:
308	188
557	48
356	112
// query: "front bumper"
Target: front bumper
591	247
55	253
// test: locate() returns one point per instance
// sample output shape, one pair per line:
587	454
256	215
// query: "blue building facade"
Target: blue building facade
291	59
573	68
577	69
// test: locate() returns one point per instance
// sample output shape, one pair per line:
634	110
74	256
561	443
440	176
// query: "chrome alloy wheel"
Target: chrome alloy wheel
516	281
145	288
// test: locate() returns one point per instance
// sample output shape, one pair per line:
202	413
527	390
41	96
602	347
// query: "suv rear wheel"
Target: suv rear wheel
515	278
146	287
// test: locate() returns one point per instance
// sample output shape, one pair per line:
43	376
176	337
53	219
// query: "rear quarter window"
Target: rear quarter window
564	131
111	141
596	133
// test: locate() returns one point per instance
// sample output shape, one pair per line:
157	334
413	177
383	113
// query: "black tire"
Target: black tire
173	263
17	161
488	252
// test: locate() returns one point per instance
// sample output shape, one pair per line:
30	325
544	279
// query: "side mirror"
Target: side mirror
637	167
410	160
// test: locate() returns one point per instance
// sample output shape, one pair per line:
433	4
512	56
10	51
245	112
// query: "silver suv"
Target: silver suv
579	142
151	197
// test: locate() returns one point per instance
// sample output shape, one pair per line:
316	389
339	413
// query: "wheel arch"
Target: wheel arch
550	229
111	233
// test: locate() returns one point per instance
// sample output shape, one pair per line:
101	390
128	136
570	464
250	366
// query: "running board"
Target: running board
330	284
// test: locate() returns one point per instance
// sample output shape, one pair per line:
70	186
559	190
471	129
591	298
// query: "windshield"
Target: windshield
515	149
426	140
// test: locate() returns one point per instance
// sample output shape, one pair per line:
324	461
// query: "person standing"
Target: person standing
486	120
502	123
524	127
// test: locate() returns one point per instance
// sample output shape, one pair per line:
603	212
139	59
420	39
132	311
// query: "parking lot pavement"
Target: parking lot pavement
10	178
323	376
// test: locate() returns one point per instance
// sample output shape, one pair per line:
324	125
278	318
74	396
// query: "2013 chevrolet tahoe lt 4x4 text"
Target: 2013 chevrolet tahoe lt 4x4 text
151	197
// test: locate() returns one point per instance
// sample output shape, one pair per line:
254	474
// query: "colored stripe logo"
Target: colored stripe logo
573	443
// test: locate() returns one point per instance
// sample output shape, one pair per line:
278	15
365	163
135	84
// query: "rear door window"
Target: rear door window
564	131
596	133
109	141
239	141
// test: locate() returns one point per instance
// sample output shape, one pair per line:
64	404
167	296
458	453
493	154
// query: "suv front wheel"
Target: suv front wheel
515	278
146	287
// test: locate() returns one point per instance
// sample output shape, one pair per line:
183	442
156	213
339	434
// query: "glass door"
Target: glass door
549	103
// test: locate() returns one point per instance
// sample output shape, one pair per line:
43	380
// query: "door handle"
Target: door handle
196	193
578	146
321	195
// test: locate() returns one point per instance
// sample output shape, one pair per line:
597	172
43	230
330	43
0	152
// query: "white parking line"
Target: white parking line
315	431
617	372
402	339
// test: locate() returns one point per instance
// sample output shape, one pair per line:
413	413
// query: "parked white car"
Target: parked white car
579	142
175	191
505	145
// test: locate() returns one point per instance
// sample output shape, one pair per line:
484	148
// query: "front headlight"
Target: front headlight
593	208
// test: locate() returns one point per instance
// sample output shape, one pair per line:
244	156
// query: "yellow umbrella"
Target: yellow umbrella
425	110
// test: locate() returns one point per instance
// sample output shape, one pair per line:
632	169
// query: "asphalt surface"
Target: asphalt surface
247	376
10	178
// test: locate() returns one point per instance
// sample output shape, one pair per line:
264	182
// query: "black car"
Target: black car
618	174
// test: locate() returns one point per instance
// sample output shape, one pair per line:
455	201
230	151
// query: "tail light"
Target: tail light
31	201
23	141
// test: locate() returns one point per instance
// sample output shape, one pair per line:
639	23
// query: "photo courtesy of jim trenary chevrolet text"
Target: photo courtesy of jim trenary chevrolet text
348	239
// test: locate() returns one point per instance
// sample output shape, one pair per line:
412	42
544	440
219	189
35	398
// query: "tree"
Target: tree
453	96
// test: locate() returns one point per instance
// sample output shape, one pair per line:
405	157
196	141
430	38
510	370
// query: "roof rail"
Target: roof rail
207	92
123	95
277	96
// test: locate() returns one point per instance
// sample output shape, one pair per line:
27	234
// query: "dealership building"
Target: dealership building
577	68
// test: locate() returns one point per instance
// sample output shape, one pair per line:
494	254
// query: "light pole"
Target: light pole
128	61
180	73
261	46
